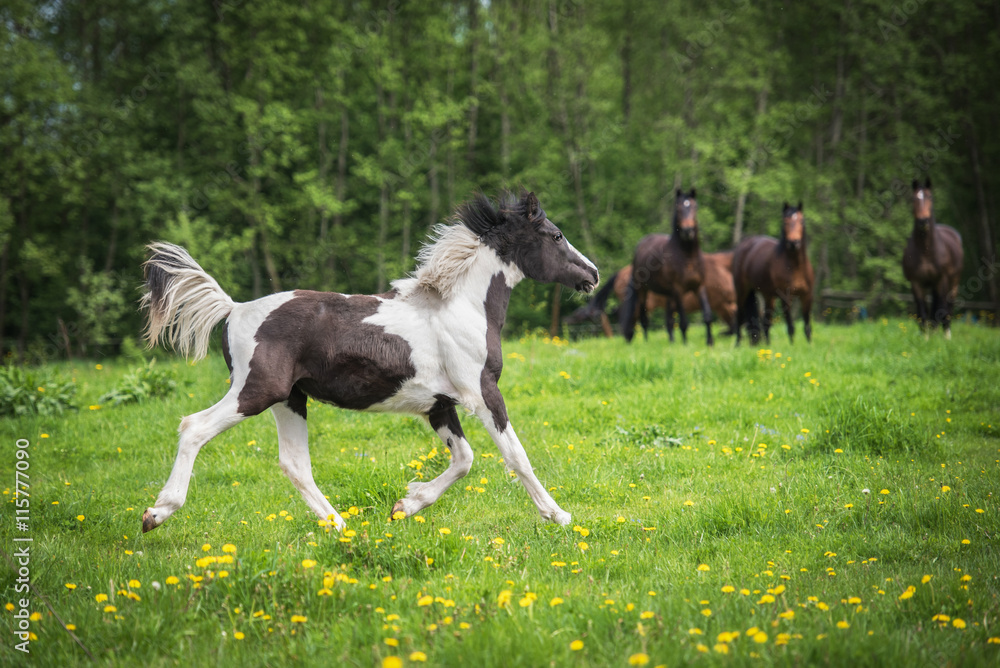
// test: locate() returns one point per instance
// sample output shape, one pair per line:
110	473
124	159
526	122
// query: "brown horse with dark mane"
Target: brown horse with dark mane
718	284
669	266
777	268
932	262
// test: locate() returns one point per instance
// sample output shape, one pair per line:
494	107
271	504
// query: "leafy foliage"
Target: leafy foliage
26	391
144	382
313	144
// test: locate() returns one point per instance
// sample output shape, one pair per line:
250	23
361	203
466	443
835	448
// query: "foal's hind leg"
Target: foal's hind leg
444	421
293	455
196	430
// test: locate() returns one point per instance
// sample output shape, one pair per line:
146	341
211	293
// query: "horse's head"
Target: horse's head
793	227
520	233
923	203
686	216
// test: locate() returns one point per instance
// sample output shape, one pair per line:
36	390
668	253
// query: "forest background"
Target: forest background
312	144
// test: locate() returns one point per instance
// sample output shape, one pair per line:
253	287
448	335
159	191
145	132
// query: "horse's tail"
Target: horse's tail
600	300
184	302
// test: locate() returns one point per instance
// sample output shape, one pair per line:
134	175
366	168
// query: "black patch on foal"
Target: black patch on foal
497	298
318	343
443	414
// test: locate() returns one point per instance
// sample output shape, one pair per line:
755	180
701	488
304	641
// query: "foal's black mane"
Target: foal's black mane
484	216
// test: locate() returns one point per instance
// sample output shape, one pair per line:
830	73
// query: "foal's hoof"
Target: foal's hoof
149	521
397	511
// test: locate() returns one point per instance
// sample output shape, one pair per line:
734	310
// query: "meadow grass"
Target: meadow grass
829	503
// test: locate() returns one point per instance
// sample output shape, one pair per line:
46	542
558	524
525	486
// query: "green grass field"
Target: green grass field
833	503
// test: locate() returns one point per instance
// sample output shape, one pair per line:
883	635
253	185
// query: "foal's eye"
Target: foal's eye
557	237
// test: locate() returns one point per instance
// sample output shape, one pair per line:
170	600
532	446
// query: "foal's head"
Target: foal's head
686	215
923	203
517	229
793	227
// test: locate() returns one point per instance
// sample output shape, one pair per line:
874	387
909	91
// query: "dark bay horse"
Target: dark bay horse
428	345
669	265
932	262
777	268
718	284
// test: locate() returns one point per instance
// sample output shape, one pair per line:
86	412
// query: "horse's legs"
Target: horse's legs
516	460
786	308
918	298
768	317
706	313
682	316
628	310
644	320
751	317
806	301
293	455
444	421
195	431
669	318
942	306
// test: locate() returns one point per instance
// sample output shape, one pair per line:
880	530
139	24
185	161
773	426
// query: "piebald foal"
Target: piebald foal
426	346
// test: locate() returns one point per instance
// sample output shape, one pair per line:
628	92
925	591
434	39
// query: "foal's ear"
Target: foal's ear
927	184
916	185
693	195
531	205
800	206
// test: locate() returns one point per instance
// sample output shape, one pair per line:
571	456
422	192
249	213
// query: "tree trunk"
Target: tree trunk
470	151
986	237
741	199
338	217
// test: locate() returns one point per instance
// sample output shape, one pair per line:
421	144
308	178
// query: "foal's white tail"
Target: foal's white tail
184	302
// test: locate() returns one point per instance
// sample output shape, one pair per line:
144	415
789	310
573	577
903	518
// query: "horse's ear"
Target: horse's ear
694	195
927	184
679	193
784	207
800	205
916	185
531	204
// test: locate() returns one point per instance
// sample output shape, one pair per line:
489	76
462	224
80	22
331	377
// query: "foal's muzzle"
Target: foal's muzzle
588	284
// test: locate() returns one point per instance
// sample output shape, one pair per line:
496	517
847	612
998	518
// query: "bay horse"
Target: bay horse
932	262
428	345
777	268
718	284
669	265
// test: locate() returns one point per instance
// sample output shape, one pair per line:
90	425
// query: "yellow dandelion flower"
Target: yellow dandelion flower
308	563
392	662
843	624
576	645
555	601
418	656
81	517
110	608
35	616
425	600
647	614
70	586
299	619
728	589
444	531
503	599
760	637
638	659
171	580
958	623
100	598
704	567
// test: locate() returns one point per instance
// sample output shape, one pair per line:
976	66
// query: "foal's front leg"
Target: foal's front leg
444	421
494	418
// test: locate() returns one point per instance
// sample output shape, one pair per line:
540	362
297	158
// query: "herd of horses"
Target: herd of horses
432	342
673	273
